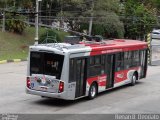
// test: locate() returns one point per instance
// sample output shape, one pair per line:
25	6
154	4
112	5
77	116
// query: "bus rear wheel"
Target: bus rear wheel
92	91
134	79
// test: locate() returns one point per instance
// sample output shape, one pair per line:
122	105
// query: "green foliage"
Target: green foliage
105	19
107	5
111	24
109	27
15	24
139	20
49	37
157	5
15	46
5	3
138	17
53	36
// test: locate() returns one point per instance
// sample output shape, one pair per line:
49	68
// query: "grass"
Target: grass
14	46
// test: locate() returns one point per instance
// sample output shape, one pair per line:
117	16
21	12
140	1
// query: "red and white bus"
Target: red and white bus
65	71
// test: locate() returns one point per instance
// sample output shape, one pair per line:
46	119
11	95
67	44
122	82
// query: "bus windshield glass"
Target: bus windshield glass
46	63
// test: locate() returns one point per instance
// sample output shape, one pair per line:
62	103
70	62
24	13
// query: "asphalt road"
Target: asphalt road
142	98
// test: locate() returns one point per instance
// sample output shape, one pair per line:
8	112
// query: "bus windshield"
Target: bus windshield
46	63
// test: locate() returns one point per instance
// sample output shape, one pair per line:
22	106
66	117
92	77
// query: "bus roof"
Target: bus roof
105	46
116	45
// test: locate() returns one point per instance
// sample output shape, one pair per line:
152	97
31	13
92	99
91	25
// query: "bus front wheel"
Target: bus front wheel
92	91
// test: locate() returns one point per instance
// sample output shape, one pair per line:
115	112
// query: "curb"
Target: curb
14	60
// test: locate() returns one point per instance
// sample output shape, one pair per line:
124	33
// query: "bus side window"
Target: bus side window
96	66
131	59
92	60
119	61
97	60
136	58
126	66
127	59
103	58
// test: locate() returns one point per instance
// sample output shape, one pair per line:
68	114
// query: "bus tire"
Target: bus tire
134	79
92	91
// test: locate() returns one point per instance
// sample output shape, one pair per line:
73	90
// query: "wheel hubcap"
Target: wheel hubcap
93	91
134	79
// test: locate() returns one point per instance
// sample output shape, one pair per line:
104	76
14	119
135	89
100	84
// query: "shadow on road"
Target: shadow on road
118	89
64	103
58	102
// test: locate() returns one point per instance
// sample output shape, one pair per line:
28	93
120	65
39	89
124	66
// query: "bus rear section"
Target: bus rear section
44	74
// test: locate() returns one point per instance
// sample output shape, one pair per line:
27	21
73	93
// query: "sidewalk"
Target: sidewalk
14	60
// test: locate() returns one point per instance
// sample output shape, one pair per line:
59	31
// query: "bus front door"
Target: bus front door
110	68
80	72
143	63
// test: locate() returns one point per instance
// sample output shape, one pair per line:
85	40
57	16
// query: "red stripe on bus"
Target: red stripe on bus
105	50
101	80
122	75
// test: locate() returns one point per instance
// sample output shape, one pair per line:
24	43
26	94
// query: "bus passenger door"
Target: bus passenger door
80	74
110	69
143	63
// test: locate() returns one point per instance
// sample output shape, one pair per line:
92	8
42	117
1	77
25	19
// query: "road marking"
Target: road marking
3	61
17	60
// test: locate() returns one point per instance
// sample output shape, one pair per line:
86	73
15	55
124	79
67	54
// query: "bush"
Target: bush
52	36
15	24
109	26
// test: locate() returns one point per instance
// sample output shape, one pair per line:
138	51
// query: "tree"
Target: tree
104	12
15	24
5	3
139	18
13	21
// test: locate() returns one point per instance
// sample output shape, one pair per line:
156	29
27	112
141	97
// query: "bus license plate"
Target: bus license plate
44	88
